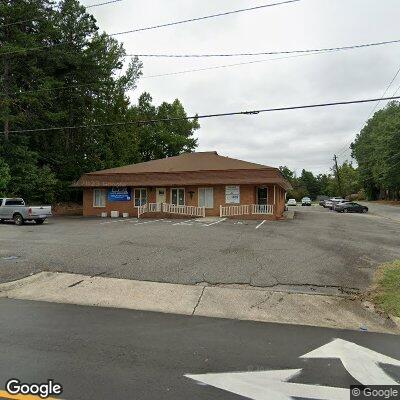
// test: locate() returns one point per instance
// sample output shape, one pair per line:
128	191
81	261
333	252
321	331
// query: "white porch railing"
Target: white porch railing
154	207
141	210
192	211
262	209
230	211
246	209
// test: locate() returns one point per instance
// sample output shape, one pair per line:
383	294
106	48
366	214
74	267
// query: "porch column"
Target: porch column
274	196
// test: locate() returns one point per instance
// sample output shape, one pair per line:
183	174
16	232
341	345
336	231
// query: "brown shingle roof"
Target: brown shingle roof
206	168
201	161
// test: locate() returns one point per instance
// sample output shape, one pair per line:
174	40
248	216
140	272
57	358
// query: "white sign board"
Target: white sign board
232	194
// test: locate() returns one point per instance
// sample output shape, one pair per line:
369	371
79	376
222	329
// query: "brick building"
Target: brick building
191	184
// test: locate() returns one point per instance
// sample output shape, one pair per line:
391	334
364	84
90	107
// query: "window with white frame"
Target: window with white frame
140	197
99	197
178	196
206	197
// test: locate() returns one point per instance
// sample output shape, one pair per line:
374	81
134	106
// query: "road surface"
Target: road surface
318	249
103	354
384	210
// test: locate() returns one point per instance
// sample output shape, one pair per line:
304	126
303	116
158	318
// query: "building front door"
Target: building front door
161	195
262	195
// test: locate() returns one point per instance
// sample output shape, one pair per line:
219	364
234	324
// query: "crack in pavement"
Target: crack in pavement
342	289
198	301
268	296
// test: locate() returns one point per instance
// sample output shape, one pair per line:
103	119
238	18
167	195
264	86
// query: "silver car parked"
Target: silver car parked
15	209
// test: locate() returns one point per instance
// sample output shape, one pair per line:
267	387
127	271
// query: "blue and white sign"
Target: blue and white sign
119	194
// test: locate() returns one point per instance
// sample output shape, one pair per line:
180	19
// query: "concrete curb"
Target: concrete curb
290	214
211	301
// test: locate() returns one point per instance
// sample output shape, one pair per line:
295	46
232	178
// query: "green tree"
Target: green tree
163	139
325	182
350	179
5	176
27	179
377	151
24	24
287	173
310	183
78	77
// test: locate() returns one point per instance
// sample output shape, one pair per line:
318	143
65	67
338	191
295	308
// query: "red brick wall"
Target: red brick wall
247	196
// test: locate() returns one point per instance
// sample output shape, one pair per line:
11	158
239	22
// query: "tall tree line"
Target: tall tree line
313	186
377	151
59	70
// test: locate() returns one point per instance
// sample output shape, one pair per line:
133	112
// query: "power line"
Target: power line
167	24
252	112
63	87
384	93
16	23
89	6
299	52
302	54
264	53
376	105
381	175
102	4
185	71
184	21
395	92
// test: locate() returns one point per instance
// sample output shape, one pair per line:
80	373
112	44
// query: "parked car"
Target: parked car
16	209
321	200
338	201
331	203
292	202
306	201
351	207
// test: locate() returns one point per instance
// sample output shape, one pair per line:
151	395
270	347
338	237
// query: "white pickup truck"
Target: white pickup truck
15	209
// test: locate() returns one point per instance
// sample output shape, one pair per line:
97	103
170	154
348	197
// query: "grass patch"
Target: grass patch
387	291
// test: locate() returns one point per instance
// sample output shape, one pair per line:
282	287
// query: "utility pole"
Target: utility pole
6	86
6	99
337	174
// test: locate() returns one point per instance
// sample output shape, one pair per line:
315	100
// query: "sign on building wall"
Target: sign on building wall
232	194
119	194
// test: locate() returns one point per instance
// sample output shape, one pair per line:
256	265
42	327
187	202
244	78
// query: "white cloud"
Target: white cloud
299	139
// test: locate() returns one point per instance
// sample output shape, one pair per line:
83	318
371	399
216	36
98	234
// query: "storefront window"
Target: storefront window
178	196
206	197
140	197
99	198
262	195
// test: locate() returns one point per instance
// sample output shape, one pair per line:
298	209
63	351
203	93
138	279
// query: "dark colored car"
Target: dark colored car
351	207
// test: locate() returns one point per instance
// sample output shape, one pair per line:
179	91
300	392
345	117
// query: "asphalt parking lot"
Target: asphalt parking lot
318	251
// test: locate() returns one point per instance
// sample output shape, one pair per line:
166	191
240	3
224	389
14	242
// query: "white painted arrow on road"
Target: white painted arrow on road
361	363
267	385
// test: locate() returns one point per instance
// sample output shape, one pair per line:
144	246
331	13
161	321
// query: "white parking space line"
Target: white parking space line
216	222
187	222
262	222
149	222
119	220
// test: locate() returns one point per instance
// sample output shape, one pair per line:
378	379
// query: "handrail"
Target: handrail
246	209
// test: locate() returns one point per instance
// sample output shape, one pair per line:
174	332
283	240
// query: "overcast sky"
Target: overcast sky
299	139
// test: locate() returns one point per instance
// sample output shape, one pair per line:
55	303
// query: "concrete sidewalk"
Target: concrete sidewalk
244	303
